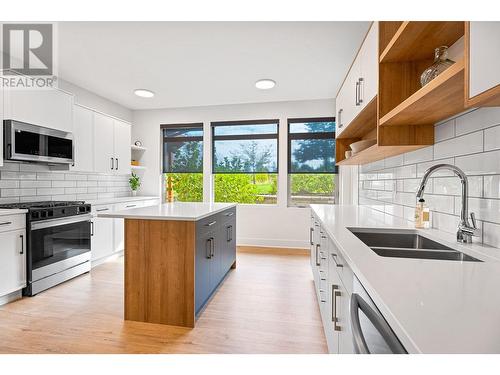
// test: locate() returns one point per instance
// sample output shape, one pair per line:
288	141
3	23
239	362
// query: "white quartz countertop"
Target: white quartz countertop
433	306
96	202
183	211
12	211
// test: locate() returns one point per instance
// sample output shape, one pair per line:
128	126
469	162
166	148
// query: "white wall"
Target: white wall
257	224
96	102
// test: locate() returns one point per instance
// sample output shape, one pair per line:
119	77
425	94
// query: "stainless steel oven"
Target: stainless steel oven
27	142
58	242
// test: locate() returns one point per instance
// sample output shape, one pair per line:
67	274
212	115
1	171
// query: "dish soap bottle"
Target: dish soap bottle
420	214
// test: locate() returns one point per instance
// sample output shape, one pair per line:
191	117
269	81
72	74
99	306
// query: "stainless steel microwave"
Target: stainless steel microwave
27	142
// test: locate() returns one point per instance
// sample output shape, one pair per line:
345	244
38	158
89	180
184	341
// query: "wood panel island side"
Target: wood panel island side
176	255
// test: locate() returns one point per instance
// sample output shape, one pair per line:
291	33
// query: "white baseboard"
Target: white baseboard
10	297
268	242
107	258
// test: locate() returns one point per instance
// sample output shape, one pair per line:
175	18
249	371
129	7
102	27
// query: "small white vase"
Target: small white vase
134	193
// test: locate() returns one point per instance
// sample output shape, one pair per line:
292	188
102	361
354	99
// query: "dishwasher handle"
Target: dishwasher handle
378	321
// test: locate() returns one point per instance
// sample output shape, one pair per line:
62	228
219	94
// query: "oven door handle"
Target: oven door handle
58	222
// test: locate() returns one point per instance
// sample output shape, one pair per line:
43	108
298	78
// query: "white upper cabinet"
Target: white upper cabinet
50	108
83	139
484	54
122	134
361	83
369	66
104	157
112	151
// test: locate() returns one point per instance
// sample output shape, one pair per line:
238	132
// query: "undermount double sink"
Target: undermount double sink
407	244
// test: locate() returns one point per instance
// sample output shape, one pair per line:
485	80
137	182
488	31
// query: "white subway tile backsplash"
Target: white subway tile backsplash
17	175
86	183
408	171
492	139
440	203
418	156
73	177
476	120
63	183
31	167
491	186
35	198
10	166
491	234
50	176
444	222
479	164
453	186
422	167
17	192
484	209
9	184
75	190
411	185
467	144
444	131
34	184
49	191
394	161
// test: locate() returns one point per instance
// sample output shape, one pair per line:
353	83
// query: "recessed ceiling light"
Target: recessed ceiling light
265	84
143	93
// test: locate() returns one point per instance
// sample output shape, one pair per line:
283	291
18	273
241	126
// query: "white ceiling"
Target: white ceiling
207	63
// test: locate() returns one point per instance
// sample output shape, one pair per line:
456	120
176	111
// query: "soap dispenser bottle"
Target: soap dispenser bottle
422	215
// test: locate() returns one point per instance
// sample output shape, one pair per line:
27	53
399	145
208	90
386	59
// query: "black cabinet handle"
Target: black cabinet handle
229	233
212	223
311	230
102	209
22	243
112	164
6	223
230	214
131	205
92	228
209	247
116	163
212	245
317	250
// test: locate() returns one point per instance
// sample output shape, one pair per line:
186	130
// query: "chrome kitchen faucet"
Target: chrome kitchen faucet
465	229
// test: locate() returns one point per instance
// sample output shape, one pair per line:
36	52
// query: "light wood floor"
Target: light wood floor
266	305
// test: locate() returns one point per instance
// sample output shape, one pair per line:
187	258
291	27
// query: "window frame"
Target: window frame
299	136
241	137
164	139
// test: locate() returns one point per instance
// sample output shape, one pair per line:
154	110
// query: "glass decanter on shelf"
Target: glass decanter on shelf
441	63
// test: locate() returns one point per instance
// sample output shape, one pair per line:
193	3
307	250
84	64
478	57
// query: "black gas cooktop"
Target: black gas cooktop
50	209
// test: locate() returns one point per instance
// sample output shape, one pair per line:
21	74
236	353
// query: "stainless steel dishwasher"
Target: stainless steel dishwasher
370	332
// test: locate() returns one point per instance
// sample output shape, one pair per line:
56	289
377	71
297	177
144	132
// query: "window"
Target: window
183	162
245	161
311	161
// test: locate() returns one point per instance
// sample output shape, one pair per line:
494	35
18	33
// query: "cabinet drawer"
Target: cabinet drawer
343	269
101	208
229	214
12	222
208	223
128	205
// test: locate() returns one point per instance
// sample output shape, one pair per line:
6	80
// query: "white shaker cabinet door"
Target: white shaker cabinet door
83	138
369	66
122	147
1	128
102	235
49	108
484	54
12	261
103	143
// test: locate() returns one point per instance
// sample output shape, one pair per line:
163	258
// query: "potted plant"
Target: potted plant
134	182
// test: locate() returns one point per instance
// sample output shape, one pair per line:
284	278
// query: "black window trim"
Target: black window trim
295	136
240	137
191	125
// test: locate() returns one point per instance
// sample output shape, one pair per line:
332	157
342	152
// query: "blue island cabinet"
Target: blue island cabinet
215	254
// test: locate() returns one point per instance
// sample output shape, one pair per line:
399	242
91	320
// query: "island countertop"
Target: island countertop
181	211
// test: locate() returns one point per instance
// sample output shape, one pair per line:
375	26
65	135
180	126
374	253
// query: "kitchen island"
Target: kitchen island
176	255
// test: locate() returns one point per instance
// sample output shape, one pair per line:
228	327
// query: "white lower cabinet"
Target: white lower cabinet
109	234
102	233
334	284
12	260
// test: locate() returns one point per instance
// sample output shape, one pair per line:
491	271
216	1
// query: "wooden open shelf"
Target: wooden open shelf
377	152
363	123
416	40
439	99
